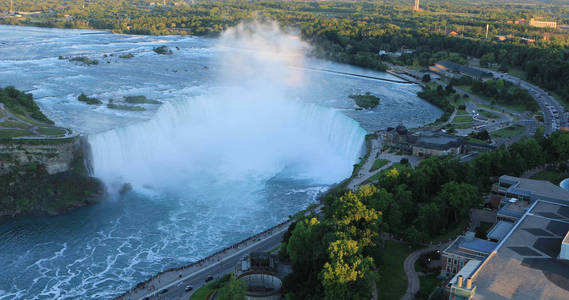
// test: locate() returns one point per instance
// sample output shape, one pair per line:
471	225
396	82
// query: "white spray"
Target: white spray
248	129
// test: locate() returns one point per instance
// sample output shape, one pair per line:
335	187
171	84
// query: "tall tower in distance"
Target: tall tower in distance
416	7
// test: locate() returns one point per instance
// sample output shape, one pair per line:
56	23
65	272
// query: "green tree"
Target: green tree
460	197
234	289
560	143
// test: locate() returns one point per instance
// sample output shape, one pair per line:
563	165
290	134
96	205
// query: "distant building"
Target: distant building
397	53
451	69
542	24
527	40
425	144
437	145
417	5
396	136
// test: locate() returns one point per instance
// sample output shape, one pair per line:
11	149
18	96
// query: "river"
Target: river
250	132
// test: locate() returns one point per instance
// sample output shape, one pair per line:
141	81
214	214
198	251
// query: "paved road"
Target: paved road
413	282
554	113
171	285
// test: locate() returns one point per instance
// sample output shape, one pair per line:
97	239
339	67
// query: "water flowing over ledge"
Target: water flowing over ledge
228	139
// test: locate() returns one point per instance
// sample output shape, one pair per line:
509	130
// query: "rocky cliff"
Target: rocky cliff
45	176
56	155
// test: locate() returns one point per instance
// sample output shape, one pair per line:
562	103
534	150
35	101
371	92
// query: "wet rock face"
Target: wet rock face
55	155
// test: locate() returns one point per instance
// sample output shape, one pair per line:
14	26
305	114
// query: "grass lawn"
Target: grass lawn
378	163
560	100
428	283
554	177
517	73
452	233
393	282
10	123
51	131
508	132
518	108
29	120
202	292
488	114
462	119
8	134
465	125
474	140
276	249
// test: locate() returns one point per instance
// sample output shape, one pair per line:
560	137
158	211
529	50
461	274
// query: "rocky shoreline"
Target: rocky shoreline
46	178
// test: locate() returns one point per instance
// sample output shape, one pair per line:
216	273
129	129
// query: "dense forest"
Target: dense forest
350	32
333	256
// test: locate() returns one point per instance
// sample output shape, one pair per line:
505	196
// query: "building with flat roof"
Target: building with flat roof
528	263
527	190
542	24
500	230
451	69
464	249
424	143
437	145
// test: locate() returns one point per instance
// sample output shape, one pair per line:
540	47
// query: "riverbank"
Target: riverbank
45	178
42	167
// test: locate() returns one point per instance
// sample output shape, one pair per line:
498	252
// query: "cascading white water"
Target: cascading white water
247	128
229	138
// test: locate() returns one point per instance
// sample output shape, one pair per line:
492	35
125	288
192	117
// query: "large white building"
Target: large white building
542	24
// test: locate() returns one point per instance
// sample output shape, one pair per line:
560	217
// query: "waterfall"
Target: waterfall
248	128
228	137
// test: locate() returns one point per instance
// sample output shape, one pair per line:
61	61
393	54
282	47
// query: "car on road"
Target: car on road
164	291
188	288
209	278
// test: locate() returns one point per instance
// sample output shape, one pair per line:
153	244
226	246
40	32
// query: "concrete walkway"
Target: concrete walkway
364	172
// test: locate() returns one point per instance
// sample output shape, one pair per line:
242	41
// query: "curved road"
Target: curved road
33	127
413	282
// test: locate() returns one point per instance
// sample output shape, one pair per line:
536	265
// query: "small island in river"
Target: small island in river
367	101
